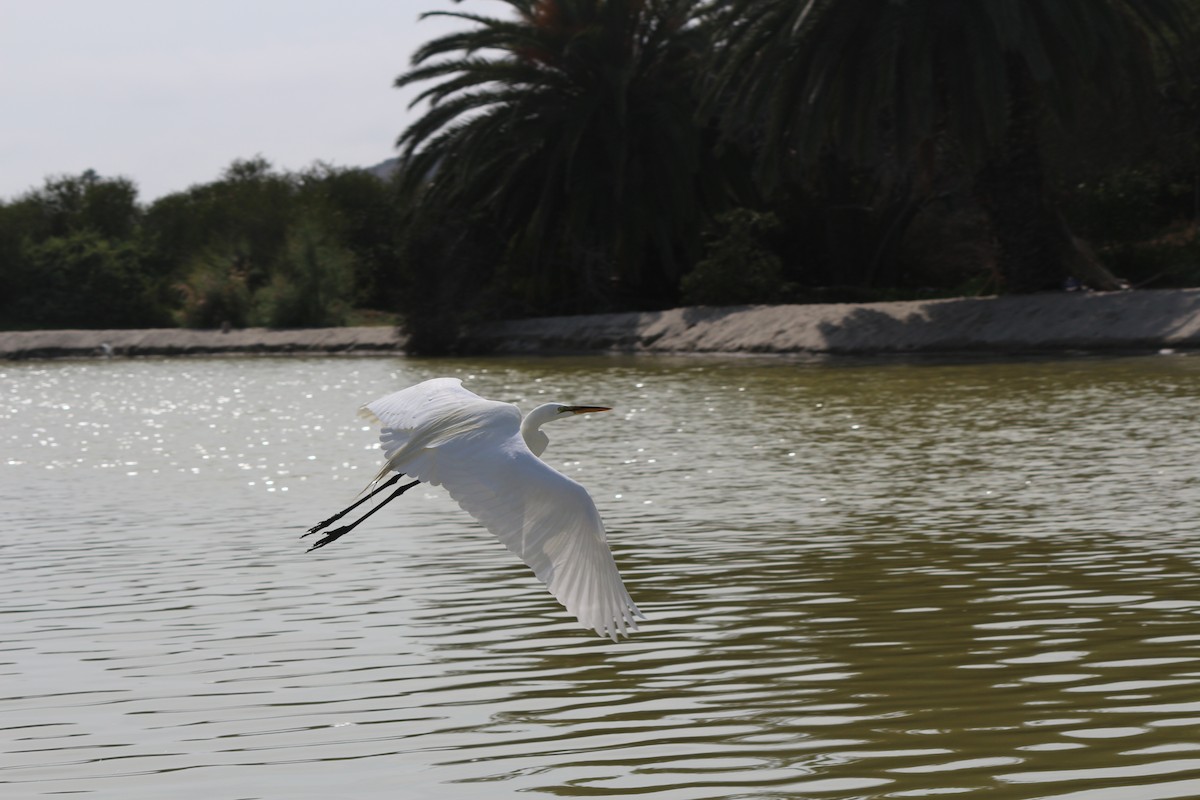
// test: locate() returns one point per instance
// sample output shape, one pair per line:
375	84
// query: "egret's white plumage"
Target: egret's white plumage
486	457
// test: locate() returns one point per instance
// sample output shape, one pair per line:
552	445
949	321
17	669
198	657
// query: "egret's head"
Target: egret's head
555	411
550	412
565	410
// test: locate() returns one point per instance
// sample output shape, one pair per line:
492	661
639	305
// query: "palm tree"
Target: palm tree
859	77
571	127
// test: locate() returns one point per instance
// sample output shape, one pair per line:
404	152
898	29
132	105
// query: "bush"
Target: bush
1167	262
312	287
739	265
1126	205
82	280
215	294
449	280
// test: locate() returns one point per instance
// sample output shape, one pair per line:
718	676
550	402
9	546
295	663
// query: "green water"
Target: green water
863	579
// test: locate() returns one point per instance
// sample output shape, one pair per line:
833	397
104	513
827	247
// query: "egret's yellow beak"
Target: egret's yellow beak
584	409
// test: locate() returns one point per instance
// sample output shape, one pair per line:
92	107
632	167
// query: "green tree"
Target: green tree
362	213
72	255
213	293
82	280
573	127
69	204
243	216
450	279
863	77
12	260
313	285
740	266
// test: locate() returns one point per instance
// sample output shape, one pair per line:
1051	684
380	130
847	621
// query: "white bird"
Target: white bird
487	458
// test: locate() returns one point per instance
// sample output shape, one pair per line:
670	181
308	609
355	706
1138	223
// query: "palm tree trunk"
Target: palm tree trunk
1011	187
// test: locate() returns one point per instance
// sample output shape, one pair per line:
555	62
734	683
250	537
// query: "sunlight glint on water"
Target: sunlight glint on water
864	579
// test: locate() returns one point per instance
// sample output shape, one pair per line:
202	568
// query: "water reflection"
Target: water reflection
863	580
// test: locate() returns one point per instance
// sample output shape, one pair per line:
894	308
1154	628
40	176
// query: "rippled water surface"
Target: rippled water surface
864	579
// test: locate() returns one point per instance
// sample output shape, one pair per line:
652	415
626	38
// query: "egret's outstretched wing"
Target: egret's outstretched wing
432	412
548	520
442	434
421	404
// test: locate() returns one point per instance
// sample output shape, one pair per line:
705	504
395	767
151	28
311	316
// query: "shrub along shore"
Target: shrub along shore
996	325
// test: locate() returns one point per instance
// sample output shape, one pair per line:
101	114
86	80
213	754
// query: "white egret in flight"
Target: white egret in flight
487	458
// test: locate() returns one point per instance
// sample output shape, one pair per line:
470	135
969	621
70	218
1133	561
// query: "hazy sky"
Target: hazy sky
168	92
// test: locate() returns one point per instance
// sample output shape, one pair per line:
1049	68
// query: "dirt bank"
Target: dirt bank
1060	321
1118	320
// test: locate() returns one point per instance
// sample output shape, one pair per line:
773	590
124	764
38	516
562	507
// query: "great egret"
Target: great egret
487	458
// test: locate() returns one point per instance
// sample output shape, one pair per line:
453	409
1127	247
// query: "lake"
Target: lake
863	579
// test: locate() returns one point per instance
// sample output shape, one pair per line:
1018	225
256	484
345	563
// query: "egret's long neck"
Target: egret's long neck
531	432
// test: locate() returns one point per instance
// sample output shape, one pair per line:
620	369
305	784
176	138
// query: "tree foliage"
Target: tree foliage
313	284
868	76
255	246
595	155
877	80
739	265
571	126
83	280
72	257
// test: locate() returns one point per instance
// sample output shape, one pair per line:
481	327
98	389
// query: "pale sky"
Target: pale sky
169	92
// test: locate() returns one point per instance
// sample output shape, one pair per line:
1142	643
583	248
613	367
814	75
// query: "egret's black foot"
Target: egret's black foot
326	523
337	533
331	536
320	526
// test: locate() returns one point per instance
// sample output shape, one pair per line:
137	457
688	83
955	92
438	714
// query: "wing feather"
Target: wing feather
443	434
423	415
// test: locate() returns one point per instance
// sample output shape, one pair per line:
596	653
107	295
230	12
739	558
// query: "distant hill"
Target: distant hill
384	170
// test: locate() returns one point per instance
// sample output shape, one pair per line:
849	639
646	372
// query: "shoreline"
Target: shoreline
22	345
1130	320
1061	321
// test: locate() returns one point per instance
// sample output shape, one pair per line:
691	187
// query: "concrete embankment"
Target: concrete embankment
1061	321
178	341
1048	322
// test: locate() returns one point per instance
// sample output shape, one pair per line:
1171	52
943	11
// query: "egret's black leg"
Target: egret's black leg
349	508
337	533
